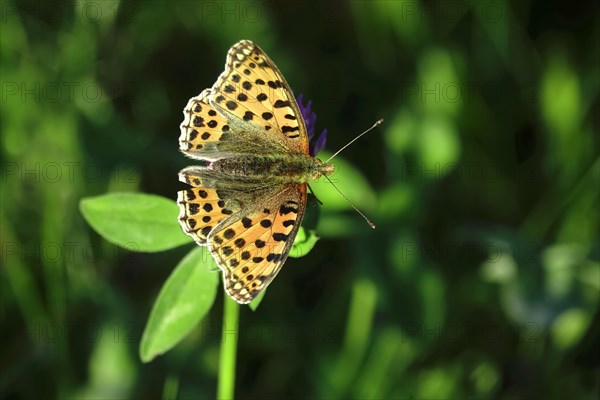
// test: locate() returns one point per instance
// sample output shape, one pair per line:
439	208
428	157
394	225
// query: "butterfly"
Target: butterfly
248	196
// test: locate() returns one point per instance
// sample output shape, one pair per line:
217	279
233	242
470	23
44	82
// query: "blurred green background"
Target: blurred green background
483	275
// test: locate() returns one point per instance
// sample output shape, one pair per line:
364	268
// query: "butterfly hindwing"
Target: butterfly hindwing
201	209
252	89
251	247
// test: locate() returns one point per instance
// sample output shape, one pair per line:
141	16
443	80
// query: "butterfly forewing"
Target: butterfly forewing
202	127
252	89
251	247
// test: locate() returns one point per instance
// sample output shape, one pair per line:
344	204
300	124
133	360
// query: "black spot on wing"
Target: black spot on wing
280	237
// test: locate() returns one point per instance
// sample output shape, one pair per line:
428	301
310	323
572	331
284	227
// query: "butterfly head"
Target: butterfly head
321	169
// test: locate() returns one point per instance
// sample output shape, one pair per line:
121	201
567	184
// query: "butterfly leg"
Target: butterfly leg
314	195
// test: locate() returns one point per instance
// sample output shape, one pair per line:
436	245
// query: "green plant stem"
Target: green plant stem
229	339
170	388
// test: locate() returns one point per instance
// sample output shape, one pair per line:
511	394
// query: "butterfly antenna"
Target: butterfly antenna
355	139
372	225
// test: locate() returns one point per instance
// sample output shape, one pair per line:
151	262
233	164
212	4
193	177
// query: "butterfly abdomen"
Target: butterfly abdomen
276	168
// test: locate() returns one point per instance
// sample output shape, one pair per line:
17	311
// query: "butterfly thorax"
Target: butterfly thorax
274	168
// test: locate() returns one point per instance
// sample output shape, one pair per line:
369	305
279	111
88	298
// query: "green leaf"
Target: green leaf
135	221
439	147
256	302
312	213
183	301
304	243
302	246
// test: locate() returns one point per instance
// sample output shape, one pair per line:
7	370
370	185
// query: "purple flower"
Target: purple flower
310	119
